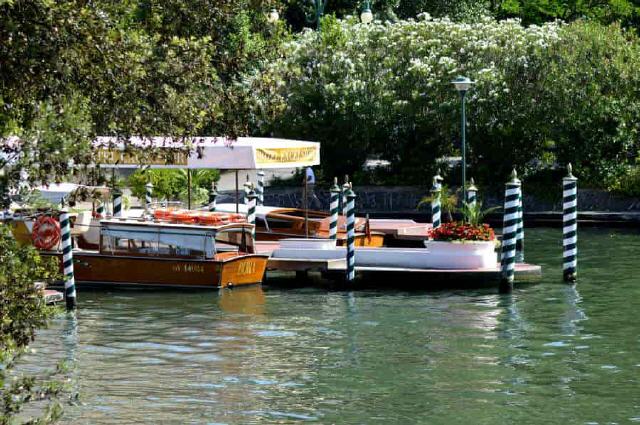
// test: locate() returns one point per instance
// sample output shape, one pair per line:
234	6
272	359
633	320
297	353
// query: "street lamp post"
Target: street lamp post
462	85
318	10
366	16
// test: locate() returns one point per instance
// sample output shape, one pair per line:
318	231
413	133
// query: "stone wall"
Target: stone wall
381	199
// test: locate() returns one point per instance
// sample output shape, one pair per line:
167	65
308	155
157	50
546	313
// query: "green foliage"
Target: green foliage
171	184
627	184
72	70
539	11
448	201
22	311
473	214
543	95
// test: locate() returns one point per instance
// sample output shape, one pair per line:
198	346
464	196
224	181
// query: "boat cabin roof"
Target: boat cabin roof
134	225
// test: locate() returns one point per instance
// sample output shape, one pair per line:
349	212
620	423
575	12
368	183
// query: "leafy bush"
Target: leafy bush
22	311
171	184
543	95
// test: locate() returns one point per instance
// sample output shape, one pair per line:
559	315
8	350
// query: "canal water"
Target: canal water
548	353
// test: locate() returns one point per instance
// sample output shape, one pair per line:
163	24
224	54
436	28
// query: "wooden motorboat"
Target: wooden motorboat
273	224
164	254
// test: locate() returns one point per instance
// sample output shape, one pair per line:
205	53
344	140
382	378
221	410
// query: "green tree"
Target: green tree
71	70
22	311
171	184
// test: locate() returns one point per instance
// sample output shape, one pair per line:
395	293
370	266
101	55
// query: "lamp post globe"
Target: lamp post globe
366	16
462	85
273	16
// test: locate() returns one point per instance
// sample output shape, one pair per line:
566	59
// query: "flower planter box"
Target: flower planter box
462	254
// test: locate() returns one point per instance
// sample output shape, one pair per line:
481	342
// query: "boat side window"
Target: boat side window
235	239
276	223
262	222
122	246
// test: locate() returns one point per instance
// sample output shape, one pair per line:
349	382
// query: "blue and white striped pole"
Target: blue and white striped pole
67	261
252	199
351	235
247	188
436	211
472	194
570	226
148	196
260	187
334	209
520	230
345	188
509	230
117	203
213	195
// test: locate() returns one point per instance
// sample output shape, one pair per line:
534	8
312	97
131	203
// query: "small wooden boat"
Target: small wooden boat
273	224
164	254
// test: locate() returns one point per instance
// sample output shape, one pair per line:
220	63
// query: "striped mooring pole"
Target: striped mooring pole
117	203
351	235
100	209
569	226
345	188
472	193
436	189
67	260
248	186
520	230
260	187
213	195
252	199
148	196
334	209
509	230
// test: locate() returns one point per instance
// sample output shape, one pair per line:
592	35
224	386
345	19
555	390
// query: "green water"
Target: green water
548	353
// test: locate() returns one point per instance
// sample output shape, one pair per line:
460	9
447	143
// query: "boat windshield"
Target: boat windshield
173	241
235	238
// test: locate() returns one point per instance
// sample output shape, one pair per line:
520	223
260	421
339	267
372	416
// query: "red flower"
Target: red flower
458	231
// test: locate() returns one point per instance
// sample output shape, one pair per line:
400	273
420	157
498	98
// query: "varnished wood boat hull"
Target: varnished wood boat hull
99	269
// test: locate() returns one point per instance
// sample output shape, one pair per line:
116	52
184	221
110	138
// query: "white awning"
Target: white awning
244	153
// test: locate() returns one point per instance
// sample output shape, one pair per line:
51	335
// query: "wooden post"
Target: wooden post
188	188
436	194
67	261
351	235
260	187
334	209
509	230
569	226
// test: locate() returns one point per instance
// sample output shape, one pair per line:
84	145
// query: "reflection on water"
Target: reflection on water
546	353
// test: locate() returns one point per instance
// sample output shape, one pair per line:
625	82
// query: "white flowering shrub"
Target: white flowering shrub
385	89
